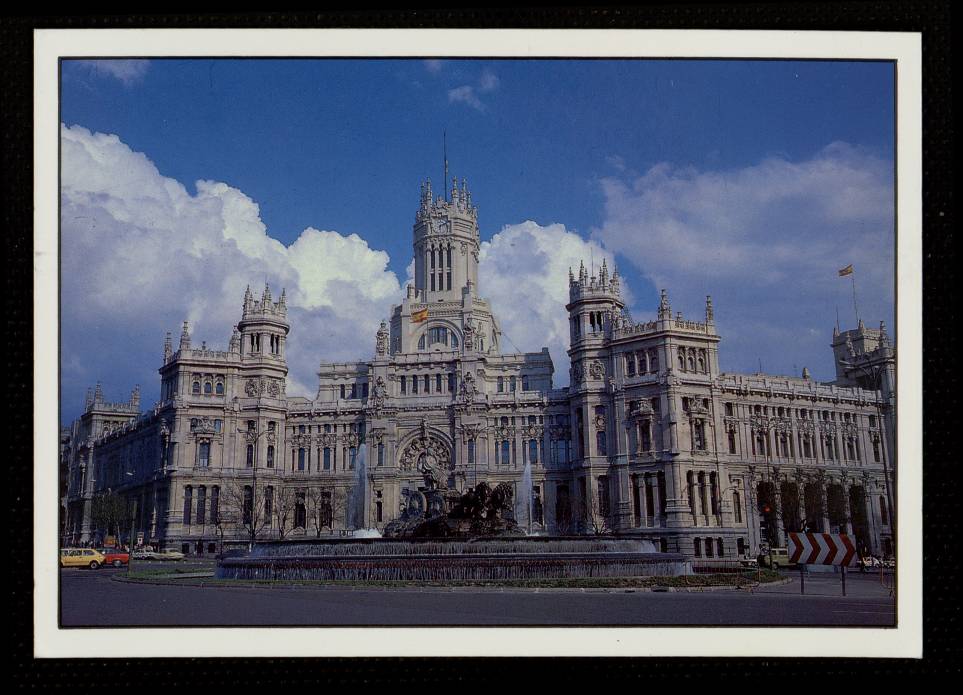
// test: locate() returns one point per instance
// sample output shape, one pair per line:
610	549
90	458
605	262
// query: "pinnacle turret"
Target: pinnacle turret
185	337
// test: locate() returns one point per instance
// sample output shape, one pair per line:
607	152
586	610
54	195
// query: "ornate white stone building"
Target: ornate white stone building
650	439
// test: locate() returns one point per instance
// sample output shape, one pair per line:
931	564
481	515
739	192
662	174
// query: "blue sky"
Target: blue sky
740	179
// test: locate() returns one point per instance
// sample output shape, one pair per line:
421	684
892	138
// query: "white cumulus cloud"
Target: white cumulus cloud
523	271
766	241
140	253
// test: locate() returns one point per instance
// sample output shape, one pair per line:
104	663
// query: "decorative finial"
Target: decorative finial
168	347
805	373
185	337
710	314
665	309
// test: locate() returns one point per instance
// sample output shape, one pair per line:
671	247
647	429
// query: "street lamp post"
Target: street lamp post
253	440
875	373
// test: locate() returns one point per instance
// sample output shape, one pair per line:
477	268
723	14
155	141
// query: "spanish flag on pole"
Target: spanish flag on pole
848	270
419	316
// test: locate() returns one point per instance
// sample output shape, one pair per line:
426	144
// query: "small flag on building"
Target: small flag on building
419	316
848	270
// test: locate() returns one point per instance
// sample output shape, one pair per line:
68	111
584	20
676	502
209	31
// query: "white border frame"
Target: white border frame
903	641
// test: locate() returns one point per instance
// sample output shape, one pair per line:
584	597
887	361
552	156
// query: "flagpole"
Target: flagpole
852	275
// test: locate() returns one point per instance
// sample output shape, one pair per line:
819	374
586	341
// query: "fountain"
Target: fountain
356	501
442	536
523	506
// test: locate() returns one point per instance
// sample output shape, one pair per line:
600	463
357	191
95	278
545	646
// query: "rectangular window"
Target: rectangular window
471	451
327	458
451	382
427	384
404	385
301	459
437	383
414	384
381	454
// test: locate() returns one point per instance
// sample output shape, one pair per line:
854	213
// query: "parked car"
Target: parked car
81	557
117	557
869	562
142	554
168	555
749	562
778	556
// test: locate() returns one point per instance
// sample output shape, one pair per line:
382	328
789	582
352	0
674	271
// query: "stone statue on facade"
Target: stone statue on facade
381	342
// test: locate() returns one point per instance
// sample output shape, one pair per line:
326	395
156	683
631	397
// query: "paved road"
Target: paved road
91	598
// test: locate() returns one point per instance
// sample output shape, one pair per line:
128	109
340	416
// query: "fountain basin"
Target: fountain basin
485	559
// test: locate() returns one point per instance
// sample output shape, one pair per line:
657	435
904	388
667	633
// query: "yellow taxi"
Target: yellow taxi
81	557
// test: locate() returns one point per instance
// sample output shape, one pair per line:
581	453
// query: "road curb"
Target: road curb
188	581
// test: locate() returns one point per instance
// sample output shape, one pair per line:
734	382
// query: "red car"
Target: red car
116	557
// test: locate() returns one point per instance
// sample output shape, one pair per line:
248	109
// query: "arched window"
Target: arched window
513	384
533	451
196	388
219	388
691	362
501	384
301	459
270	456
352	457
188	503
193	424
643	362
215	505
250	456
204	454
327	458
653	362
300	511
525	382
506	452
630	364
421	342
682	359
600	444
454	338
208	388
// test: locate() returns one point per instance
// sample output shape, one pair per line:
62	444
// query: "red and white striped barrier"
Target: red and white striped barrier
822	549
